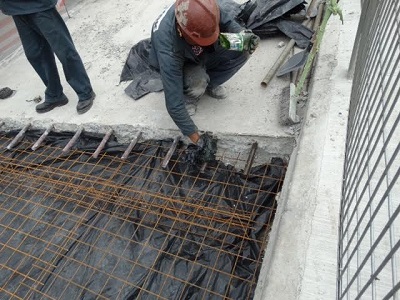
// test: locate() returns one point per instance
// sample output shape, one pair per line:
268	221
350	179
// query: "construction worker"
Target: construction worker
186	51
44	33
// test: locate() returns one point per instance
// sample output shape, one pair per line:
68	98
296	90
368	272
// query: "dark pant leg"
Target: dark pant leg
222	64
41	57
54	29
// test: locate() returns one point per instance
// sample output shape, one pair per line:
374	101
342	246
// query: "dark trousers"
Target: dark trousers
216	68
44	34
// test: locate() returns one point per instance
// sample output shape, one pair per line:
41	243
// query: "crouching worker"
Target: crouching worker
185	48
43	33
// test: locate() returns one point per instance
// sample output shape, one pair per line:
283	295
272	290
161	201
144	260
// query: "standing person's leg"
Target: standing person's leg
57	34
221	65
41	57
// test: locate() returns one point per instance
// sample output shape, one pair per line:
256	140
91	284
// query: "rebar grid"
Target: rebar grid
369	246
73	226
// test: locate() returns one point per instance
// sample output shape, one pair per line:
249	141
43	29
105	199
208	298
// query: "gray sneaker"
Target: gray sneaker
217	92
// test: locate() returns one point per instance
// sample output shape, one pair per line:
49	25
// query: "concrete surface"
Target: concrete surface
300	260
104	31
302	254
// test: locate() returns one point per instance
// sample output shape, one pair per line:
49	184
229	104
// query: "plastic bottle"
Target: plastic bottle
235	41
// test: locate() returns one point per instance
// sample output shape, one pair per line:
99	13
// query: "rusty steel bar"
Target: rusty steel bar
250	159
203	168
103	143
131	146
18	137
73	140
42	138
170	152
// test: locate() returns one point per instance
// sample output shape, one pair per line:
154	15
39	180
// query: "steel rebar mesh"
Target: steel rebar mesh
76	227
369	246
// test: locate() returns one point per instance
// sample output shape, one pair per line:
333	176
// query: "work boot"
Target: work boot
217	92
84	105
48	106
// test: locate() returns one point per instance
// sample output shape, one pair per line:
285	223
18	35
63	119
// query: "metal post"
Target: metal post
203	168
103	143
73	140
18	137
170	152
42	138
282	57
361	26
250	159
131	146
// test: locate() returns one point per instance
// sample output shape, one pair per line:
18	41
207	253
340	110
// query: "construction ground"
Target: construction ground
301	258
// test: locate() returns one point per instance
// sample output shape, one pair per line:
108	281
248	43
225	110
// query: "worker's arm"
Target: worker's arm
171	70
169	59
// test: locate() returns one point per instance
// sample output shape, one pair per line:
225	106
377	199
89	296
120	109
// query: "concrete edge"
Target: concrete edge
230	145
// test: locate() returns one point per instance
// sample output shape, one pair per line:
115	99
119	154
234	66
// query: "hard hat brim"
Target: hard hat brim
207	41
201	41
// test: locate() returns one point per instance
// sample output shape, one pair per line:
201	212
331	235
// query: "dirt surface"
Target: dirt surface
104	31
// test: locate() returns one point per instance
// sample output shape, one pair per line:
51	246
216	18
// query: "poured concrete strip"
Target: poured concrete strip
301	258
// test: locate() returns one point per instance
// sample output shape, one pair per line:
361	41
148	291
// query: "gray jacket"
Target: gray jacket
168	54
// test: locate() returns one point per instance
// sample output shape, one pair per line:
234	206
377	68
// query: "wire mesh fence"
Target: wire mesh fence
77	227
370	223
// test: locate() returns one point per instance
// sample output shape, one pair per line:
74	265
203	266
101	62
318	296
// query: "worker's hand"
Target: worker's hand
202	151
254	40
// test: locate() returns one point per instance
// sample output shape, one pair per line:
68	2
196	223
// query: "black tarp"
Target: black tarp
72	227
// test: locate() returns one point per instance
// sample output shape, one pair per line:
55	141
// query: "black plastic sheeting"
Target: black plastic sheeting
269	10
52	247
145	78
271	17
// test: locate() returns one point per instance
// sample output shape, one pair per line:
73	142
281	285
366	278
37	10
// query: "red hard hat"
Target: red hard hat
198	20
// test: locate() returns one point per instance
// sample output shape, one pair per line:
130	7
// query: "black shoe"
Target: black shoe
84	105
48	106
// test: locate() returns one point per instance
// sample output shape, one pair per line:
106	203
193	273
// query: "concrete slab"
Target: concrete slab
104	31
300	261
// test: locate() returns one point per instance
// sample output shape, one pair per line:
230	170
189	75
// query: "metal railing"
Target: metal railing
369	237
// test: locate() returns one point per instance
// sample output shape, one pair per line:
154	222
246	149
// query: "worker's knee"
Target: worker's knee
196	80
